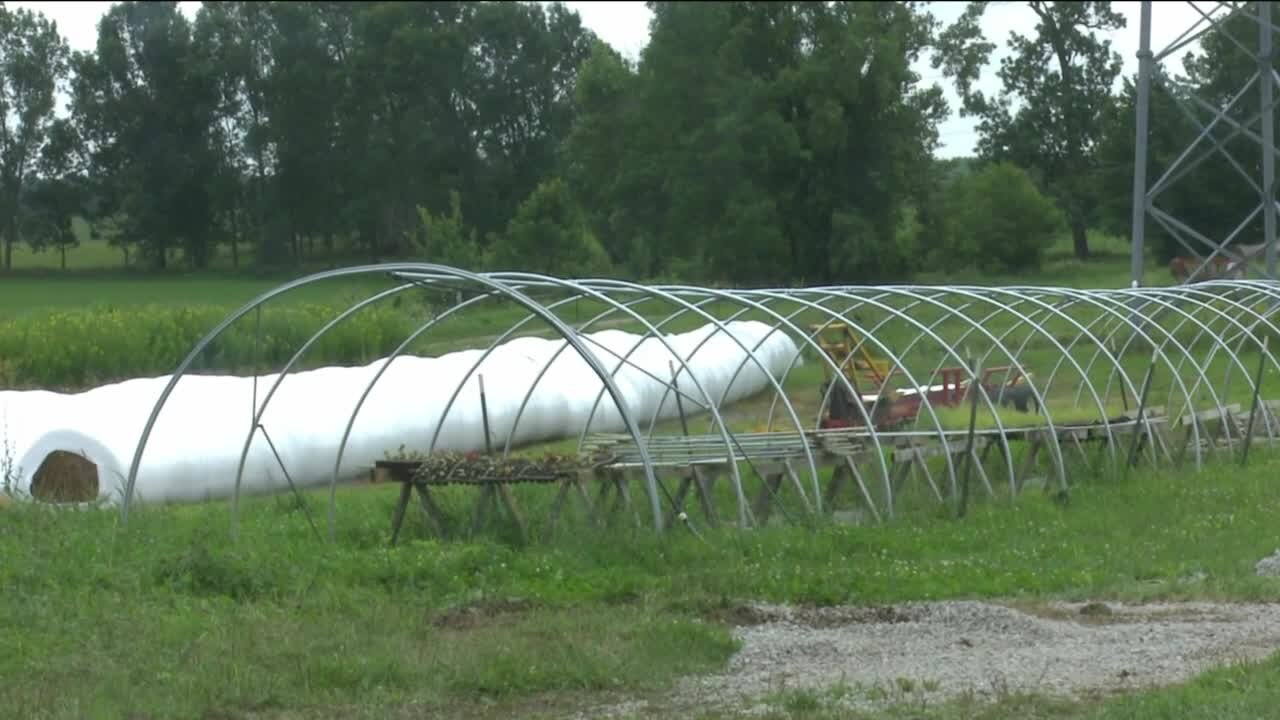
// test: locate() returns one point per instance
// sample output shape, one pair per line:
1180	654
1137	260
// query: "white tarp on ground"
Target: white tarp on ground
195	446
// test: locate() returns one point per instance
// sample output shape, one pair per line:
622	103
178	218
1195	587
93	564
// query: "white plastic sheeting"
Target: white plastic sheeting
195	445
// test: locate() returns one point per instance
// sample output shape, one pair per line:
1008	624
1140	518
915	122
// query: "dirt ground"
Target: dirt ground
933	652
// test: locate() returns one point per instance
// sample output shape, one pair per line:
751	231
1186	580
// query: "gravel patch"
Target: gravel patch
1269	566
933	652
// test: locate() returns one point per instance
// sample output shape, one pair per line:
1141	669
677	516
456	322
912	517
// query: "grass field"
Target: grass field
97	276
170	618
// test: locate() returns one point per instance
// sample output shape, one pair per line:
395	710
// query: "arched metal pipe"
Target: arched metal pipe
460	275
259	411
368	388
1196	334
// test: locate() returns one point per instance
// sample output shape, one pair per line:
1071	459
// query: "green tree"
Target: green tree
146	101
549	234
1061	78
998	220
528	59
319	132
33	60
52	203
446	239
609	176
1167	138
236	36
750	144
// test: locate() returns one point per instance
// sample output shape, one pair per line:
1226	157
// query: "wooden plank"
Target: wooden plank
704	481
795	480
509	502
397	518
1212	414
769	487
866	495
433	512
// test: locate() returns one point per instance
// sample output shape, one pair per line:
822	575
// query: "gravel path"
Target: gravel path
940	651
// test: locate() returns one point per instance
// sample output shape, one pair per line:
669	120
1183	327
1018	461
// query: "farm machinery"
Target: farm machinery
888	406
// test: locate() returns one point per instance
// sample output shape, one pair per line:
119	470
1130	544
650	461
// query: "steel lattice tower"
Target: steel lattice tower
1263	81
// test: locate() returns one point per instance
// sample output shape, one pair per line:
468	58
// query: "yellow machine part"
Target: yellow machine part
837	340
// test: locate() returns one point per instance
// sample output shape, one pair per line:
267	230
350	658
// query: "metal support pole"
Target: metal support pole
1267	82
484	417
1257	397
1140	423
1137	257
975	387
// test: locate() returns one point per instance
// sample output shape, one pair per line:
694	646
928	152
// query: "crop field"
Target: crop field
169	617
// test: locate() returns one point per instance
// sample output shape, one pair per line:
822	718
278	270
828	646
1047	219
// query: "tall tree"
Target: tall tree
764	141
549	234
317	150
237	37
526	60
52	203
609	177
33	60
403	115
1061	79
148	100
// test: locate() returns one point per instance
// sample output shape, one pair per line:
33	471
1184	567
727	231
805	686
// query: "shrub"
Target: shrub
446	239
549	234
999	221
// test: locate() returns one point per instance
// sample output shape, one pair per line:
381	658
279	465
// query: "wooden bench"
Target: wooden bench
408	473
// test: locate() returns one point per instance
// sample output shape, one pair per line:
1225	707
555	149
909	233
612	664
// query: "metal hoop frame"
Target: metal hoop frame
1071	346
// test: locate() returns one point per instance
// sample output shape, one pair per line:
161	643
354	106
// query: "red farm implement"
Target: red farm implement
889	406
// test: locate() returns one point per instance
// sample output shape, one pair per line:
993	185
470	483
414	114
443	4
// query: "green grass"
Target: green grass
97	276
23	295
171	619
88	255
97	255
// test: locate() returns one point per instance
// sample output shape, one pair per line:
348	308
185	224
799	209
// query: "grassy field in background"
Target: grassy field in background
97	276
170	618
97	254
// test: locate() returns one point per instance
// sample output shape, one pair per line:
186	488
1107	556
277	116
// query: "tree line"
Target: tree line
751	142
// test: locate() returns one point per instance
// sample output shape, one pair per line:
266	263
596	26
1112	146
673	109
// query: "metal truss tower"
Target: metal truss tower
1264	80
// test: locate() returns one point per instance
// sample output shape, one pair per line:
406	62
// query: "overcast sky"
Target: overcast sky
625	26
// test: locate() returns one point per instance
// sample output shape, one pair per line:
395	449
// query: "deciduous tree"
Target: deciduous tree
147	100
1057	86
33	61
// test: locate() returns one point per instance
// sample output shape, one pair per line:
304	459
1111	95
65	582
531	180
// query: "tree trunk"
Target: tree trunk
62	250
1080	239
10	237
235	237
